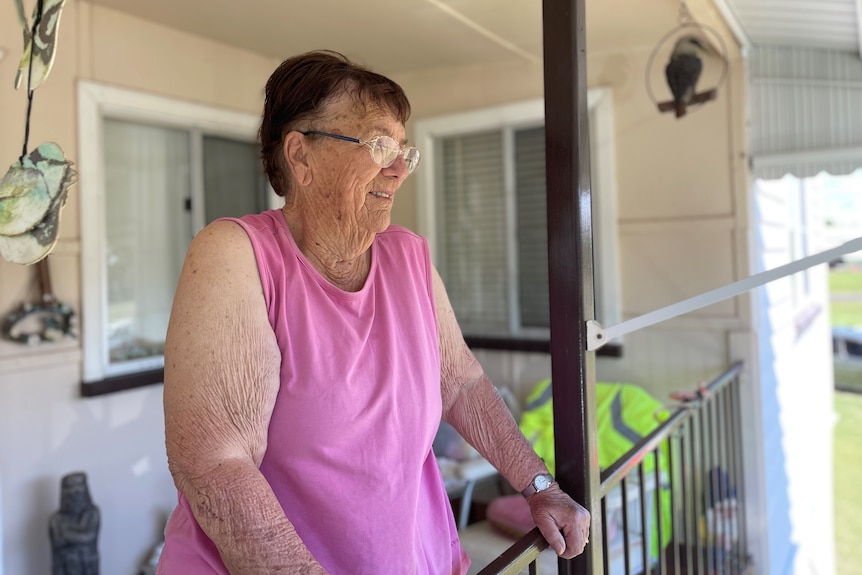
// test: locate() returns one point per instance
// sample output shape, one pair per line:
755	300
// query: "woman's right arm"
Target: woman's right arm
222	367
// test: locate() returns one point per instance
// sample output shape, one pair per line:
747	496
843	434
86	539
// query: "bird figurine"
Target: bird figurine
31	195
682	73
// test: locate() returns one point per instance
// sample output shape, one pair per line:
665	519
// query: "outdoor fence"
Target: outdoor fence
675	503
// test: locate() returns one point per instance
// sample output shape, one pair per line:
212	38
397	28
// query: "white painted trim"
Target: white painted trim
735	24
742	345
95	103
198	195
91	189
139	106
512	261
603	147
859	24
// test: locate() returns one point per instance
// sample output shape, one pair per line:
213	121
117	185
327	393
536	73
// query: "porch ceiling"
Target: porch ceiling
401	36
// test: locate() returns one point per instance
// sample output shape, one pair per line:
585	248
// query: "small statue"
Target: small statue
74	529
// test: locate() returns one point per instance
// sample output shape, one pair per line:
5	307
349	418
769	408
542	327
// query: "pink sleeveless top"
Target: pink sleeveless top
349	454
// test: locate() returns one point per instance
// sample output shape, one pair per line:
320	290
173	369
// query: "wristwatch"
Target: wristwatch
538	484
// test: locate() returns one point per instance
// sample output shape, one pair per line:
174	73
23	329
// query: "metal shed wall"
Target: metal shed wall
806	111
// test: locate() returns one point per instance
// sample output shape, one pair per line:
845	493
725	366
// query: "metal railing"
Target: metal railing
677	497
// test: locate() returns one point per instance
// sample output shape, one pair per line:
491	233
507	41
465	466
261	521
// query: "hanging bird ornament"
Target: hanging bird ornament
34	189
682	73
695	53
31	195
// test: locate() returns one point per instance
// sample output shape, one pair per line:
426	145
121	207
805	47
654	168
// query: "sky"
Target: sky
842	206
842	198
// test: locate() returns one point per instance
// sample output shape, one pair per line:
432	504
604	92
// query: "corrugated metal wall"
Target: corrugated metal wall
823	24
806	111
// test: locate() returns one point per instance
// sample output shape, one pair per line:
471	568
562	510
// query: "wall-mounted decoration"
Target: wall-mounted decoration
33	192
44	321
693	55
34	189
31	195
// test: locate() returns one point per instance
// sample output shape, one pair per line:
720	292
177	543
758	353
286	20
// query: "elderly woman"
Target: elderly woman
311	354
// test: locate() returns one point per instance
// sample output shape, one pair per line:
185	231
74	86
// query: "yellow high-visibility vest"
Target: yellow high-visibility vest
625	414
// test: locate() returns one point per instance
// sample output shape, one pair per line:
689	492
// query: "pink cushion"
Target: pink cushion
510	515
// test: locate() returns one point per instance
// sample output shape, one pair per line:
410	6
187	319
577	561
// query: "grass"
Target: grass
846	281
848	477
849	280
848	448
847	313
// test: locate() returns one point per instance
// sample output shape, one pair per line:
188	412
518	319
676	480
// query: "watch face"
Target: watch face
542	482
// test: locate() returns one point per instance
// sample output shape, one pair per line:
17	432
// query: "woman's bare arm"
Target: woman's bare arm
222	368
473	407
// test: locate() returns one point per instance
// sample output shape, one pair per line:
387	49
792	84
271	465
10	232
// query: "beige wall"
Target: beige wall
680	196
682	207
106	46
46	429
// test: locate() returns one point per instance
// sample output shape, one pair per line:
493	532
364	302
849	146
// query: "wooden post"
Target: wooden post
570	265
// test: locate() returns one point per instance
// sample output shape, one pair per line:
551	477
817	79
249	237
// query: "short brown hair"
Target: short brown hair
298	91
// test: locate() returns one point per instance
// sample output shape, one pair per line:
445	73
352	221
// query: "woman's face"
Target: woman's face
348	189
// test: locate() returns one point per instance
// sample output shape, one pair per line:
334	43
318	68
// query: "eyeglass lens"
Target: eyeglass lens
385	151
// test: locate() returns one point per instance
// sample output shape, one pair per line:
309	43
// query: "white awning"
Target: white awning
806	112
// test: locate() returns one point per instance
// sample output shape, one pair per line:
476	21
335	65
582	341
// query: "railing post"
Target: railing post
570	245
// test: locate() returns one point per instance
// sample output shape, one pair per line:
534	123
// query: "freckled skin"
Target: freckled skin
331	212
472	406
222	361
221	380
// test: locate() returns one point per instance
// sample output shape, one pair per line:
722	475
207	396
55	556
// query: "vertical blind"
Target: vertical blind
146	176
494	289
148	187
532	227
234	183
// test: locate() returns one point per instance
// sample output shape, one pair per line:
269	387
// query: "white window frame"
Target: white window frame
530	114
96	102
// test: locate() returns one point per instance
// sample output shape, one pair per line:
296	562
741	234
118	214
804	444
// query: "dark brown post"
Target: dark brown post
571	267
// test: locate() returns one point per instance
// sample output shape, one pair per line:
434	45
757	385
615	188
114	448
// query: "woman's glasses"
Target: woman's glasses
384	150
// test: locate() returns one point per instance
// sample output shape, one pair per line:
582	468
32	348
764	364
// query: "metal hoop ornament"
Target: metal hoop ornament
687	23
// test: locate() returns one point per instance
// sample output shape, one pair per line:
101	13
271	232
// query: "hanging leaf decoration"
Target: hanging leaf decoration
34	188
31	195
40	41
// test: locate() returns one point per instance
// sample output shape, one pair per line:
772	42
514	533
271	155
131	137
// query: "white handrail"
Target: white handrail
597	336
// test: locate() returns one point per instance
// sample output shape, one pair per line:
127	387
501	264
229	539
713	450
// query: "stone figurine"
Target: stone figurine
74	529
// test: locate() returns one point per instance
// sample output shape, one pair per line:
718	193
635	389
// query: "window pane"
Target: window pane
234	183
148	229
473	235
532	218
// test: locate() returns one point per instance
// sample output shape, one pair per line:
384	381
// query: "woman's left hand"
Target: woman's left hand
564	523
